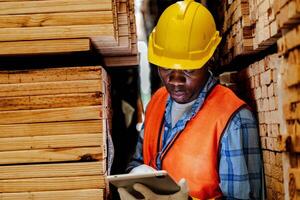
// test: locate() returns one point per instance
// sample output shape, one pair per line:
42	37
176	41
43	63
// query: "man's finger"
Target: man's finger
124	195
145	191
183	186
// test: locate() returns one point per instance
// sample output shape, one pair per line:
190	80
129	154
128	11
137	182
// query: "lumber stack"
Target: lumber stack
230	79
289	47
261	90
54	26
122	50
237	30
53	127
273	89
288	13
270	84
263	16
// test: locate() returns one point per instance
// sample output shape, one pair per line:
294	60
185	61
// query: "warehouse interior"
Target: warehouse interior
75	83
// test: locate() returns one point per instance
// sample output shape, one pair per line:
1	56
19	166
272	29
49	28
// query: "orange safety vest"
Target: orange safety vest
194	153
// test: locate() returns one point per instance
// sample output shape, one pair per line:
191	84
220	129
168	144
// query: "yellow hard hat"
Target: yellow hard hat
185	37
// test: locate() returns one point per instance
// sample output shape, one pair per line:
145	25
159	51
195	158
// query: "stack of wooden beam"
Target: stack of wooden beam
121	51
288	13
229	79
271	85
289	47
261	87
53	26
263	17
237	30
53	127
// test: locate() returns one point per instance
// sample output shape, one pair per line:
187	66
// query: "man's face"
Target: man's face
183	85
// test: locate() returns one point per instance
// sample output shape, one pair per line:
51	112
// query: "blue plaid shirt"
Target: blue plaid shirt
240	167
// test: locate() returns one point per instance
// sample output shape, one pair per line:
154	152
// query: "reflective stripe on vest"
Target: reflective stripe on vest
194	153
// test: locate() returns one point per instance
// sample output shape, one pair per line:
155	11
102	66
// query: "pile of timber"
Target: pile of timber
263	15
230	79
288	13
271	85
53	128
54	26
261	89
237	30
289	48
252	26
123	49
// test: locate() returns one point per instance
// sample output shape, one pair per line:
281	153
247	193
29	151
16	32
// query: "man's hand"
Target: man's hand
182	194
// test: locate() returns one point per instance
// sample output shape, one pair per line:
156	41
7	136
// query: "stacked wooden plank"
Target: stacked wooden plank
289	47
261	90
229	79
53	26
237	30
123	50
288	13
53	133
263	16
272	86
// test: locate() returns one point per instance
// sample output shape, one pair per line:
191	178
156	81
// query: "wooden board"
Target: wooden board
51	155
52	74
48	6
54	128
121	61
47	88
84	194
44	46
56	141
52	170
48	184
294	183
56	32
50	101
56	19
51	115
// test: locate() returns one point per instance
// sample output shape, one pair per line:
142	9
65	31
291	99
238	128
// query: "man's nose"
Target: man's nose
177	77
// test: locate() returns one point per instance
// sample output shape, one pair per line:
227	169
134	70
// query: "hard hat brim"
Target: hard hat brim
181	64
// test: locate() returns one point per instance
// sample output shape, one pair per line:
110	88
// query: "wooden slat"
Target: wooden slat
48	6
56	141
52	170
51	155
47	88
120	61
56	19
90	194
55	128
50	101
56	32
48	184
51	115
51	74
44	46
294	176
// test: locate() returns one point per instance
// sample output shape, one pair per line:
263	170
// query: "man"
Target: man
194	128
